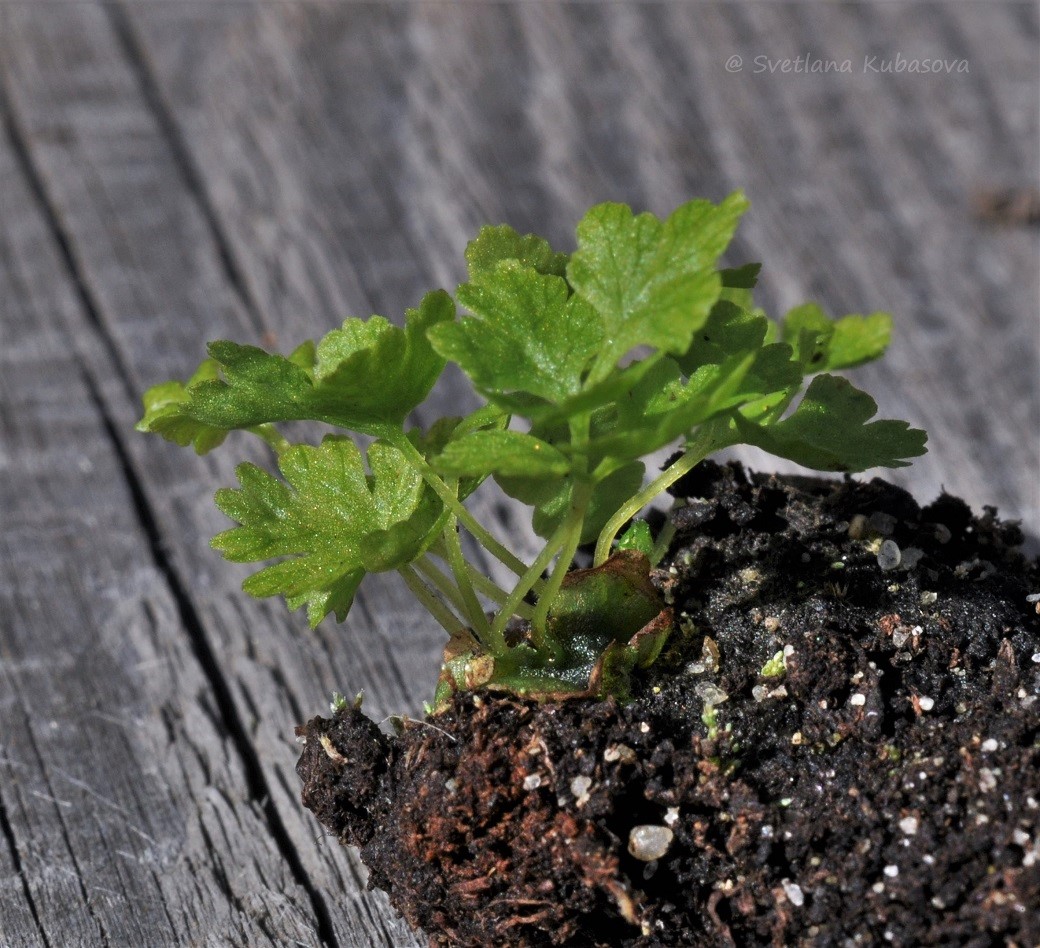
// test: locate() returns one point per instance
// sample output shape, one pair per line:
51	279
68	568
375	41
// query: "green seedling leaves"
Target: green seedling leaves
501	452
831	431
528	341
638	537
331	519
496	244
164	413
364	376
822	345
634	342
652	283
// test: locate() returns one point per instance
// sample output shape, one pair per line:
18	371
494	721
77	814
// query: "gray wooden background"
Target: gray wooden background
175	171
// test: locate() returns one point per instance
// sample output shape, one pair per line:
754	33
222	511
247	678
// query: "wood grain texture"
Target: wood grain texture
172	173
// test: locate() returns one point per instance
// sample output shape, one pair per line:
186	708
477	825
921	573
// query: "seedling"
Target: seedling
587	362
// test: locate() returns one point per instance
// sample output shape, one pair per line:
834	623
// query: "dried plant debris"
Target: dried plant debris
871	775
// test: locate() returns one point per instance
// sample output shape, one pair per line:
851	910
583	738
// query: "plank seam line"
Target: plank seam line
181	153
256	782
8	834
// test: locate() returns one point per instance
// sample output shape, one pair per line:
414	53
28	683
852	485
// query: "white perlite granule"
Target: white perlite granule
793	891
649	842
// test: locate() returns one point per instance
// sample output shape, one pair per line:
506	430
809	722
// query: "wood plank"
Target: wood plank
184	713
120	787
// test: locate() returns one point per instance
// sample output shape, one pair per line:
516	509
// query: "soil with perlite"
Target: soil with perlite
841	746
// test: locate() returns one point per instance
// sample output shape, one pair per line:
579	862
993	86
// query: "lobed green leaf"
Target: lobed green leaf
495	244
165	415
332	520
364	376
652	283
528	341
829	431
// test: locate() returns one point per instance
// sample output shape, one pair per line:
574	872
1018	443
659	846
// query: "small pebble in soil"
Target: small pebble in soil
889	556
649	842
793	891
989	745
926	703
532	782
580	788
671	815
621	752
857	527
891	871
908	824
858	700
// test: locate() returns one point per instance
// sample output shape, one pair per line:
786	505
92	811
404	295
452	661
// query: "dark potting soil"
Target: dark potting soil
836	749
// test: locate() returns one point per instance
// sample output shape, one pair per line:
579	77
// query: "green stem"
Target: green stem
272	436
398	439
571	527
441	582
527	582
447	619
707	441
478	620
495	593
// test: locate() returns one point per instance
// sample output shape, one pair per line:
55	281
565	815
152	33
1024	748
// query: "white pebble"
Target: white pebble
908	824
1021	837
878	887
793	891
858	699
929	598
649	842
1036	657
533	782
1033	597
926	703
891	871
987	780
989	745
889	556
580	788
671	815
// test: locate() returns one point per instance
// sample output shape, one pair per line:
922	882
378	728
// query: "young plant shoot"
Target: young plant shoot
587	362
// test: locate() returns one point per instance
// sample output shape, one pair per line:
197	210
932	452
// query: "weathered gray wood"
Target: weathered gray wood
120	786
233	851
262	170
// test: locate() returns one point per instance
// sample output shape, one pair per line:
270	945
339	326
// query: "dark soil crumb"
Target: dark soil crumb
841	747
